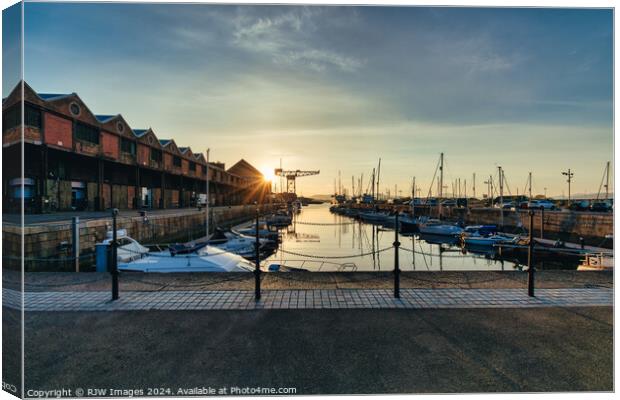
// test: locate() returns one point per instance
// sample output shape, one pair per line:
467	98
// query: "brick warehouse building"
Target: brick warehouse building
76	160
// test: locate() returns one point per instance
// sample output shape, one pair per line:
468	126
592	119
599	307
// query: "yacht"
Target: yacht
436	227
374	217
128	248
207	259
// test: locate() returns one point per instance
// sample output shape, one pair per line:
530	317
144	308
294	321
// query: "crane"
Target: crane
291	177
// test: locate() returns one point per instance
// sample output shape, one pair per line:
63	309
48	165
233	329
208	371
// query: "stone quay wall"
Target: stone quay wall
48	247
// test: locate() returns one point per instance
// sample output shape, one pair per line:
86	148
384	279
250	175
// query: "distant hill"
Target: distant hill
582	196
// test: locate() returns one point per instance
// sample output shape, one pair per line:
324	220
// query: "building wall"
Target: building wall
58	131
131	193
110	144
144	153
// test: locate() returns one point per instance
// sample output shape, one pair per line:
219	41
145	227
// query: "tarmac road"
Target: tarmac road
324	351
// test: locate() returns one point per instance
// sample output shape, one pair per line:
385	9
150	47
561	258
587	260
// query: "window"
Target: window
155	155
74	108
192	166
11	118
128	146
204	169
120	127
86	133
33	117
176	161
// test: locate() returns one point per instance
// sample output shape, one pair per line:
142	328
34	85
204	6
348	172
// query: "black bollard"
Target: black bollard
542	222
530	258
396	263
114	269
257	269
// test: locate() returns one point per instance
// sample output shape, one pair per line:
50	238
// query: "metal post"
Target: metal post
530	258
75	242
396	264
257	269
542	223
114	270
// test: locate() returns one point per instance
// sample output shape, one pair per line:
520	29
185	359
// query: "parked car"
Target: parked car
582	205
507	205
600	206
448	203
541	204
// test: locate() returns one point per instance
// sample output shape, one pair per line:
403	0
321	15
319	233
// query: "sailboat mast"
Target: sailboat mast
378	177
501	196
373	185
440	193
607	181
413	198
474	186
530	186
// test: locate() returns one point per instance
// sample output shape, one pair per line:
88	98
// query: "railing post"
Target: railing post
542	222
257	269
396	263
75	242
530	258
114	264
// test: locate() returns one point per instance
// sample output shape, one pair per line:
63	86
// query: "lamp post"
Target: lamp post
569	176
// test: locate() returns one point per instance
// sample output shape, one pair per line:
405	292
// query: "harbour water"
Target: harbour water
319	240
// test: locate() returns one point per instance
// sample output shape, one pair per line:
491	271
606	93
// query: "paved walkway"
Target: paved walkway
308	299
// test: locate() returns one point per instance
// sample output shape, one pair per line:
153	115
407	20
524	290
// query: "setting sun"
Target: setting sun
268	174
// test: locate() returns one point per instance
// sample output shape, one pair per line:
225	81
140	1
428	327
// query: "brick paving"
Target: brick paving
308	299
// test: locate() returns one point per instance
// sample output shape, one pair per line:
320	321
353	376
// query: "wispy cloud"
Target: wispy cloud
286	38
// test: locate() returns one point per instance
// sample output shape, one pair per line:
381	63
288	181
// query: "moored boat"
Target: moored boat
208	259
436	227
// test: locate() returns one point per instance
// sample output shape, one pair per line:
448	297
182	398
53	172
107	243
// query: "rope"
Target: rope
335	257
435	255
64	259
165	285
325	223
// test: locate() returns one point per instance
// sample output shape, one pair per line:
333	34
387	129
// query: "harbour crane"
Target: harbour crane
291	177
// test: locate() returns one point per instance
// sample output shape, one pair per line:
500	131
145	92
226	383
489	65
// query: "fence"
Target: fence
113	265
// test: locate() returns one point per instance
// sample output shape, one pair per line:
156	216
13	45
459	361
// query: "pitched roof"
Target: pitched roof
140	132
244	168
104	118
49	96
165	142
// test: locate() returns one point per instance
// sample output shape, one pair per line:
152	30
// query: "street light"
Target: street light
569	176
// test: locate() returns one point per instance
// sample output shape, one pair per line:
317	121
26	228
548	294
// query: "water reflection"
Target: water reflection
318	240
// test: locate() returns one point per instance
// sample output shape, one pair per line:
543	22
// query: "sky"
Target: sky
336	88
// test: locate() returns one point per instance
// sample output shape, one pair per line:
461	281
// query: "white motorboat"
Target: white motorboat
436	227
242	245
488	241
208	259
128	249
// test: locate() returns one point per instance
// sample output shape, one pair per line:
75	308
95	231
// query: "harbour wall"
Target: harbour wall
565	225
48	247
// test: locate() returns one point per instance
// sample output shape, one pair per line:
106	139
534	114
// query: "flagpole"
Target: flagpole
207	200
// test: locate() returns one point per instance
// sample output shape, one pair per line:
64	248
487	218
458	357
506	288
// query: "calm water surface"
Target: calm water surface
317	232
